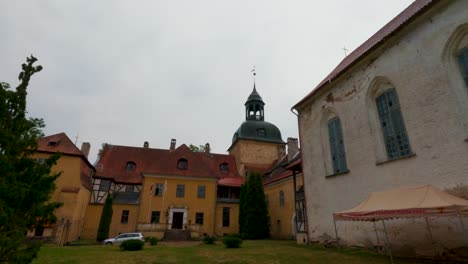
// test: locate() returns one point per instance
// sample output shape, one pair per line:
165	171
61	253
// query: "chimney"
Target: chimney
85	148
281	152
173	142
293	147
207	148
146	144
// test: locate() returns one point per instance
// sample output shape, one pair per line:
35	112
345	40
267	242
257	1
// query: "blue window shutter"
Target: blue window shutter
393	127
333	148
463	62
341	150
337	151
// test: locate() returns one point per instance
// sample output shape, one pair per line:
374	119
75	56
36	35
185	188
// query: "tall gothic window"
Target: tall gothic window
393	127
463	63
337	150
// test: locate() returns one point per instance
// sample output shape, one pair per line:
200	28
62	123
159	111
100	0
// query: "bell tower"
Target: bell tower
254	107
256	144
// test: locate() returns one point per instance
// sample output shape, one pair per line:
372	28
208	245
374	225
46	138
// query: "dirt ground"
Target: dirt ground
179	243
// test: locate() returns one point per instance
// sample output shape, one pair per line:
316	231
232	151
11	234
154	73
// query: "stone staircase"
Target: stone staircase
176	235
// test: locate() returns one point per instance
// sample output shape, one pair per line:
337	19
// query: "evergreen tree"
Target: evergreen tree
26	185
257	219
242	209
106	219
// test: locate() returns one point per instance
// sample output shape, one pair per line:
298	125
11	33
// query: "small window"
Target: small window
267	200
129	188
159	189
201	191
393	126
180	191
124	217
261	132
463	62
104	185
226	216
224	167
155	217
182	164
131	166
199	218
41	161
53	143
281	198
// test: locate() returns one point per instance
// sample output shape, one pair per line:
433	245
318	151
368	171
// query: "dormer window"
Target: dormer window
53	143
223	167
182	164
260	132
131	166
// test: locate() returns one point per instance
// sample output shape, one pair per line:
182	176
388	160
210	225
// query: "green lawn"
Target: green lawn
262	251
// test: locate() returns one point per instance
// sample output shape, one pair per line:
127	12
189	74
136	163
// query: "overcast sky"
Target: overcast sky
125	72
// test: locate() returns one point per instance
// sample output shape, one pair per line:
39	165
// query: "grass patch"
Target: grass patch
252	251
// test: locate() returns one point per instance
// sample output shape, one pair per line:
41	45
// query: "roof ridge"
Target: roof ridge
398	22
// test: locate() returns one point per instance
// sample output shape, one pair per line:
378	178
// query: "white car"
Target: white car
123	237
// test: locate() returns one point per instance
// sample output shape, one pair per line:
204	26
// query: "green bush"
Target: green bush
235	235
232	242
209	240
132	245
153	241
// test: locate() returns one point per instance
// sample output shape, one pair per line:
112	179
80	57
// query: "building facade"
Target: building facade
156	190
162	192
393	113
73	188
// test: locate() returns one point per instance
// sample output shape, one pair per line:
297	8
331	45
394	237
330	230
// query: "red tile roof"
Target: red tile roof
114	159
58	143
233	181
61	143
258	168
280	170
417	8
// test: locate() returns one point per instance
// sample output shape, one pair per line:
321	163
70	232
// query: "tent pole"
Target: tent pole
376	235
430	235
336	232
388	244
461	222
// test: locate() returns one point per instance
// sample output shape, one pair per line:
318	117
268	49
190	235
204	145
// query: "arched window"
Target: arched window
462	58
131	166
182	164
223	167
281	198
393	127
337	150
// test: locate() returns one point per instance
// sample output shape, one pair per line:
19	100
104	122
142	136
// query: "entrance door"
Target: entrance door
177	220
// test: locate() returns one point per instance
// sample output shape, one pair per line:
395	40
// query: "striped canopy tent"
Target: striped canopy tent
420	201
410	202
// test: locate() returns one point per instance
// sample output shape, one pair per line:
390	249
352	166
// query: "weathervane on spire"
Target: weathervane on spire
254	73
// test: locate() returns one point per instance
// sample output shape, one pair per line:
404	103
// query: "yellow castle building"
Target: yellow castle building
177	193
73	188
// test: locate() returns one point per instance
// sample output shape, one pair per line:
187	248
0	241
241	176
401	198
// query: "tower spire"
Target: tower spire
254	104
254	74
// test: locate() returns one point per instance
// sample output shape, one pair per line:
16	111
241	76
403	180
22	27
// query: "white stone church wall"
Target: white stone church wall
419	63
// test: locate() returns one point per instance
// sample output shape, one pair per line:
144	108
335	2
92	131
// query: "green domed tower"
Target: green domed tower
256	144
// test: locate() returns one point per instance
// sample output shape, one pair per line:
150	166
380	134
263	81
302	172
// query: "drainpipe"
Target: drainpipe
303	181
215	209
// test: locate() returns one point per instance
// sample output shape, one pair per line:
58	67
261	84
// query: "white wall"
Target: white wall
420	63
